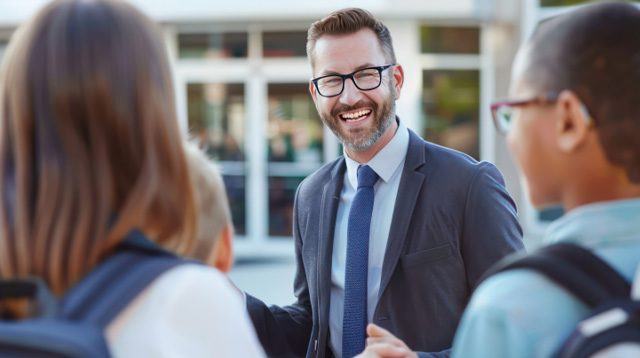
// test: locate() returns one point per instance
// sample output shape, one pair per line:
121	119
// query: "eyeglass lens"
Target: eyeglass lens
365	79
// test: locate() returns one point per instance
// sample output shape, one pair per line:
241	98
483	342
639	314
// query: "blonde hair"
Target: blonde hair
90	147
211	198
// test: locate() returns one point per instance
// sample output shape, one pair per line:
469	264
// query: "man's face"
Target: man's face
358	118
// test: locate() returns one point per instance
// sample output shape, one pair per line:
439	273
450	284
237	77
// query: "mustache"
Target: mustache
339	108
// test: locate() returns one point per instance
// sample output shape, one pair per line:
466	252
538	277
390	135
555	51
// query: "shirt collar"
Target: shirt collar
598	224
386	161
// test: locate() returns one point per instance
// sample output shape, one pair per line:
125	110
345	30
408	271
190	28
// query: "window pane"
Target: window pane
284	44
450	109
217	119
236	191
213	45
545	3
282	191
216	116
294	129
453	40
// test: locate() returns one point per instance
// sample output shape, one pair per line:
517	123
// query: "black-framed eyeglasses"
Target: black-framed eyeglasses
502	111
365	79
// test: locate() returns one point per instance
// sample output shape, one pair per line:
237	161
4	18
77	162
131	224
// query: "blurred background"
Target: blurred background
241	81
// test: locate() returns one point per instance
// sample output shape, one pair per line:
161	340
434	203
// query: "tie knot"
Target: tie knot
366	176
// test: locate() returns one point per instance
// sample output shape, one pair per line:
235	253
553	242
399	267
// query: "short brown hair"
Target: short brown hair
211	198
90	147
348	21
594	51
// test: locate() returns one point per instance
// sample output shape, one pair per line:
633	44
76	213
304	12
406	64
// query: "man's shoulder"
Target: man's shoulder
447	162
316	180
446	153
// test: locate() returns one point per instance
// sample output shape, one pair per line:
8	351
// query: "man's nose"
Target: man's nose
350	94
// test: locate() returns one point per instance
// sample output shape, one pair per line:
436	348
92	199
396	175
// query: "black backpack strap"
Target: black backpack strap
573	267
109	288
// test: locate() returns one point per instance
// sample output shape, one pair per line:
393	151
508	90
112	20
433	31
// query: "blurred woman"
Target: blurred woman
90	149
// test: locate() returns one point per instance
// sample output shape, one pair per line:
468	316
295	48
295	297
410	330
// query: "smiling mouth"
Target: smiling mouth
355	116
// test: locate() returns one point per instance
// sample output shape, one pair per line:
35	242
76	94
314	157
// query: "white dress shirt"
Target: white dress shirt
388	164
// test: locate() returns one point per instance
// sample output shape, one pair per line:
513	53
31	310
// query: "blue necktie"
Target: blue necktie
355	281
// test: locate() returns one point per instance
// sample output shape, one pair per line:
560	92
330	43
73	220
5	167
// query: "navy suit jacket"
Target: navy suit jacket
453	219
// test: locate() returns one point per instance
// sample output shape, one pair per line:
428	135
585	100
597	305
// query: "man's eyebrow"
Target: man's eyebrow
330	72
366	65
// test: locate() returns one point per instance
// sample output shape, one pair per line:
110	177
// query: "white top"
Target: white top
188	311
388	164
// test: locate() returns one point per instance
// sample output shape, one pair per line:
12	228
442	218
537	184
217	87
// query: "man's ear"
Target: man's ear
312	91
573	123
398	76
222	255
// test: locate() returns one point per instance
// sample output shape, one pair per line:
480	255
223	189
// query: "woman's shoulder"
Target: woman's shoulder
187	290
194	279
191	310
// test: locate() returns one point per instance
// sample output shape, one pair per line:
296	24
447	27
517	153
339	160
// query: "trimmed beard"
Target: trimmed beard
385	115
362	144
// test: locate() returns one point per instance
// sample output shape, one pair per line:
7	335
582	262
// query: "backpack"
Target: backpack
612	328
74	326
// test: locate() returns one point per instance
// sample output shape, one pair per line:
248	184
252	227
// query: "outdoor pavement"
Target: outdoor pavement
270	280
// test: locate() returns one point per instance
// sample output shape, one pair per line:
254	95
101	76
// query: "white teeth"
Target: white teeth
357	114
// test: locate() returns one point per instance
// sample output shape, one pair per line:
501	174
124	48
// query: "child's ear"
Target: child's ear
574	122
222	256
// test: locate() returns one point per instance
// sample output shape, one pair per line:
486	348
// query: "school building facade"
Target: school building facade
242	78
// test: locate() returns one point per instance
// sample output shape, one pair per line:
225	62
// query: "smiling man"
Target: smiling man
396	232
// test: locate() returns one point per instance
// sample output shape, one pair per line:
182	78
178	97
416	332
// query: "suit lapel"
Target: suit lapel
329	209
410	185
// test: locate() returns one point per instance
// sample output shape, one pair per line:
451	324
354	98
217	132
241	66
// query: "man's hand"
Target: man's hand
382	344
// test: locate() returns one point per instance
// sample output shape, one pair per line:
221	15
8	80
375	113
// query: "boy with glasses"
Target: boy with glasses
396	232
574	134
